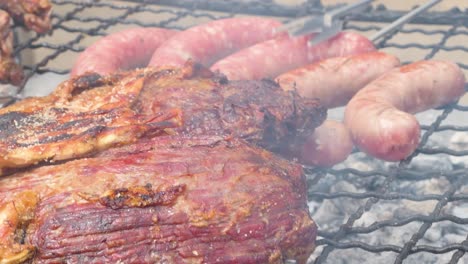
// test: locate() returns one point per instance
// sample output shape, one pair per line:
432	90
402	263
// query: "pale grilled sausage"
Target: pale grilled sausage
273	57
379	116
329	144
124	50
207	43
334	81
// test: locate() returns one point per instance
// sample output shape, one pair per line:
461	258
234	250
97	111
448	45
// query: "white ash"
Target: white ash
459	142
7	90
362	162
437	185
461	210
439	234
43	84
428	258
330	214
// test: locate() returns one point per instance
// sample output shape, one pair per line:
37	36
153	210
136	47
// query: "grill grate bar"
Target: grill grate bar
407	174
447	127
344	229
406	31
267	8
442	42
388	196
392	223
443	150
420	46
21	46
393	248
459	253
424	227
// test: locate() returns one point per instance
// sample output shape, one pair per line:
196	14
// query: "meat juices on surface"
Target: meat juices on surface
212	41
270	58
191	191
379	116
335	80
124	50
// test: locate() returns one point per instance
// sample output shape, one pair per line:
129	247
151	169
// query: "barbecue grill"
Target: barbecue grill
415	211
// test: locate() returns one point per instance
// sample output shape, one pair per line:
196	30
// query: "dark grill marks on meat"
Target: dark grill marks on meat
91	113
64	126
140	196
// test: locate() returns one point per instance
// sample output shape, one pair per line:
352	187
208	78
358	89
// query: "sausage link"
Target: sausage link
334	81
212	41
329	144
124	50
273	57
379	116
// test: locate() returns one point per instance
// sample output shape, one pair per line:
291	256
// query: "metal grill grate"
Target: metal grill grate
367	210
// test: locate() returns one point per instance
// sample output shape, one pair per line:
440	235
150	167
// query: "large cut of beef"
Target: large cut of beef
155	166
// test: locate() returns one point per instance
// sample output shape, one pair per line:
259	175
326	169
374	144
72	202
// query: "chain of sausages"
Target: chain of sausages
344	70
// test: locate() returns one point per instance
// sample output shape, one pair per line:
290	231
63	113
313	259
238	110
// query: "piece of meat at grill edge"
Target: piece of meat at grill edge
90	113
34	14
162	200
188	188
10	71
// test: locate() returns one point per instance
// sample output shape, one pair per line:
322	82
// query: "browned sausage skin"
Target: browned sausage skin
124	50
379	116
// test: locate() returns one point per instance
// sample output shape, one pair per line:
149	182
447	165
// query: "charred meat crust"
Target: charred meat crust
140	196
99	112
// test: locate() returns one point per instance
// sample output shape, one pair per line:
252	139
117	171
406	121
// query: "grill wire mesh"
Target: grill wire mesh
415	211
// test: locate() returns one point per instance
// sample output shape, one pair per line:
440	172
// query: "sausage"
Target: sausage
273	57
329	144
334	81
379	116
212	41
124	50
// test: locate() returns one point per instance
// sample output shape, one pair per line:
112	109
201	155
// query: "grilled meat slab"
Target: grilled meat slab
164	200
155	165
90	113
